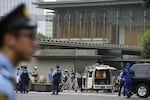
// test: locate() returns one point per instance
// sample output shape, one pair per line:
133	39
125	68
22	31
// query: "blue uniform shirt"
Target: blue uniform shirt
58	71
6	77
50	76
121	76
19	72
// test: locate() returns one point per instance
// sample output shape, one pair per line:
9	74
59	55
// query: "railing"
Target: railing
83	44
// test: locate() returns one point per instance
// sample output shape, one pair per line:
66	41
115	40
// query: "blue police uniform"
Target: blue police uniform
56	80
17	19
50	77
25	81
128	74
19	72
6	78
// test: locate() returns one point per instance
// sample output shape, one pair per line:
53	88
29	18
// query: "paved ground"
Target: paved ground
71	96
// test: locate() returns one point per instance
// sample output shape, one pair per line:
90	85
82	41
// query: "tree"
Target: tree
146	45
147	3
41	36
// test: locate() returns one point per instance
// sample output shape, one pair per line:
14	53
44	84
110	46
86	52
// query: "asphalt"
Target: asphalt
72	96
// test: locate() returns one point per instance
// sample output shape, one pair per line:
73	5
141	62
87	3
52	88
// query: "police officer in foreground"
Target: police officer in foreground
17	43
56	79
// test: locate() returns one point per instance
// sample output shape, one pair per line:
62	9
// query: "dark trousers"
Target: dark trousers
120	88
21	86
25	85
79	82
18	88
55	87
127	86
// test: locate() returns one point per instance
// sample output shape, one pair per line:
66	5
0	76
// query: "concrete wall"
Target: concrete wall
80	64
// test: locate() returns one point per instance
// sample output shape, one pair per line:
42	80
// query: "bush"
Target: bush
146	45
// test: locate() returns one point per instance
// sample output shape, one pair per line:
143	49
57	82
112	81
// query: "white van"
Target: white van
99	77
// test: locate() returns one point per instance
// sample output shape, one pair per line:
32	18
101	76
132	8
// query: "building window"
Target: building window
124	26
118	25
111	25
137	26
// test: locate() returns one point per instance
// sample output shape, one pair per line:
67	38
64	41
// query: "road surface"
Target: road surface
72	96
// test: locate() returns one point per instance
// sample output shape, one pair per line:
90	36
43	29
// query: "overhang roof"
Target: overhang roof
87	3
88	45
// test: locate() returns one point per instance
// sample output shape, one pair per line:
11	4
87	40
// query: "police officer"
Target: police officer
128	75
121	84
50	76
18	74
17	43
20	82
25	80
56	79
66	76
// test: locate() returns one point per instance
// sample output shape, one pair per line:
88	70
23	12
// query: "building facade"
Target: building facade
115	22
49	24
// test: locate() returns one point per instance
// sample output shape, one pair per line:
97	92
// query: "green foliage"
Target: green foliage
146	45
147	3
41	36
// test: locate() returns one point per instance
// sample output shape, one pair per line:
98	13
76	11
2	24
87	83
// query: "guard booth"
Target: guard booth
99	77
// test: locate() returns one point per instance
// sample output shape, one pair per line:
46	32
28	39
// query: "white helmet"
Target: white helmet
66	70
35	67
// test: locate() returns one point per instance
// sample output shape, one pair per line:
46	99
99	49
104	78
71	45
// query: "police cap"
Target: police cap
17	19
25	67
57	66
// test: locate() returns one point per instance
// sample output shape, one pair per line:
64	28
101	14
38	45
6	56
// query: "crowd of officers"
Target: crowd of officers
55	78
23	79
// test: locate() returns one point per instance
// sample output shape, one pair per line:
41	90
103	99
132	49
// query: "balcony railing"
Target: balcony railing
85	45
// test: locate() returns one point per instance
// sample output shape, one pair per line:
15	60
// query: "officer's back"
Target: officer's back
17	43
25	76
57	75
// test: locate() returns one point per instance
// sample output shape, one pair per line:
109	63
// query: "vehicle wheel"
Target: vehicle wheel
142	91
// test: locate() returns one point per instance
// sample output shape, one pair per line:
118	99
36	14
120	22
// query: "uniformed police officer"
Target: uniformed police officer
25	80
18	74
17	43
121	84
56	79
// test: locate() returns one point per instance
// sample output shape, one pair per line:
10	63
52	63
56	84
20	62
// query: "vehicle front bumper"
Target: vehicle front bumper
102	87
